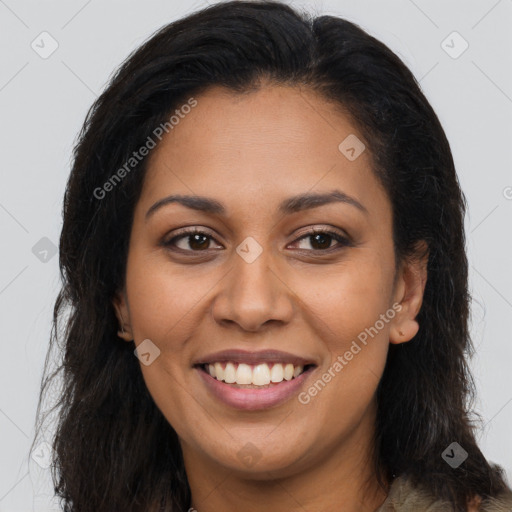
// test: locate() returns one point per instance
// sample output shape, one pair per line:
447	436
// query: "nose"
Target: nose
253	293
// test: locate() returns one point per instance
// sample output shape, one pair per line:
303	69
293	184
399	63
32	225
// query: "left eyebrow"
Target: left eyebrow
313	200
288	206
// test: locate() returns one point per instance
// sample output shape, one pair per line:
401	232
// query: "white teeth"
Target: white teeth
258	375
288	372
298	370
277	373
243	374
219	371
230	373
261	375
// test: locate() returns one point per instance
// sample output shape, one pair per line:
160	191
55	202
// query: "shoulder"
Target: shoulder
501	503
404	497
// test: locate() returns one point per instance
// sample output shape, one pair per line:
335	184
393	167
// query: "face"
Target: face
265	282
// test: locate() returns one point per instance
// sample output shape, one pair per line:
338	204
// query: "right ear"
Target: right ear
120	303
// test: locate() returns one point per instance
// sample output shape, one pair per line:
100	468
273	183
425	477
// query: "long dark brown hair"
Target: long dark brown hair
113	448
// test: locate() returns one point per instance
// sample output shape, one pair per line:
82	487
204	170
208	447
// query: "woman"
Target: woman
263	256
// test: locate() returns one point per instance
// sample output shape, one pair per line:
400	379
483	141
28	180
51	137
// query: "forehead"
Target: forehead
259	147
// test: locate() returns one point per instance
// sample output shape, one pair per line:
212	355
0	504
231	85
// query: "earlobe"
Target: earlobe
404	332
120	304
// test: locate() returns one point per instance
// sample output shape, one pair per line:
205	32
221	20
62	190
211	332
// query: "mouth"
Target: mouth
253	380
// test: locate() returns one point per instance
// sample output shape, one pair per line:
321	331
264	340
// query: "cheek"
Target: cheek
349	299
162	301
161	297
351	318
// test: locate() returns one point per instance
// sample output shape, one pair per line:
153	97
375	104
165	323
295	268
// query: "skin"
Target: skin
250	152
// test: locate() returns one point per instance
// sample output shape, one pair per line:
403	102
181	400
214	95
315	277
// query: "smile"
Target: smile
256	382
253	376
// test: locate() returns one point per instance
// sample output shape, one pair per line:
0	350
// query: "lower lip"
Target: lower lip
250	399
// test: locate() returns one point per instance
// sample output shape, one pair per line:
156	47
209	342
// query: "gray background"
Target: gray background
43	102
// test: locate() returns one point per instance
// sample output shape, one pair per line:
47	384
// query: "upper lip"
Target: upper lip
247	357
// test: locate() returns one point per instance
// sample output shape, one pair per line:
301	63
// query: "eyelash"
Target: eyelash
343	240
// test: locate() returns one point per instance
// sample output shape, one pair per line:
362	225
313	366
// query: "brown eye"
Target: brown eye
322	240
198	242
193	241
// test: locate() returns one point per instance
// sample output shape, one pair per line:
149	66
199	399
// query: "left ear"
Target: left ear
409	290
120	303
